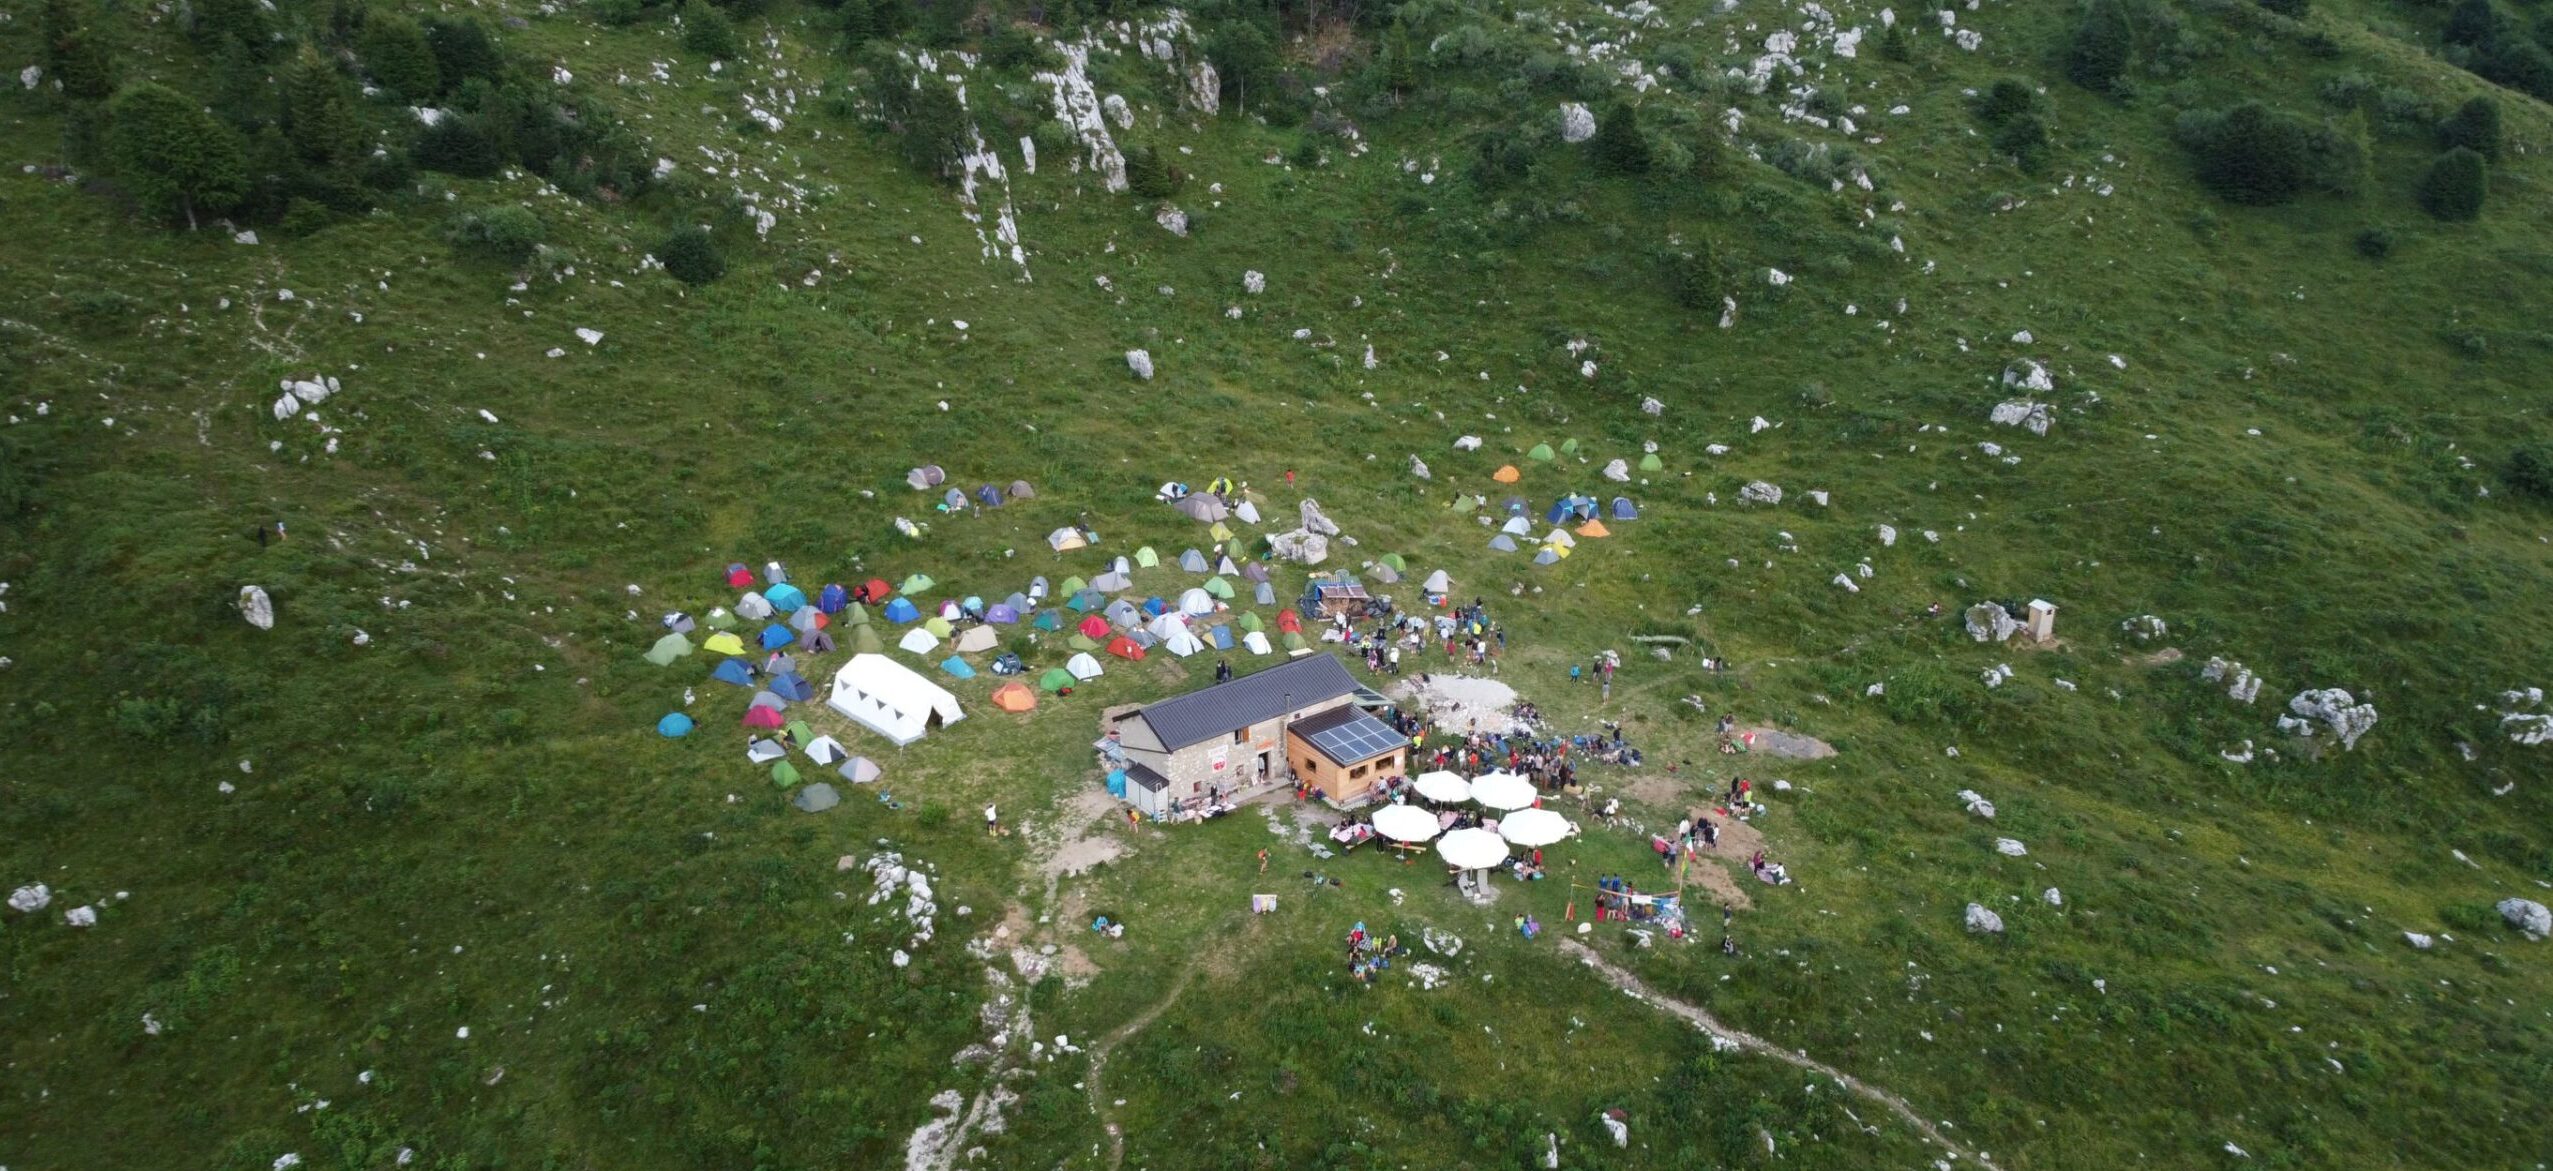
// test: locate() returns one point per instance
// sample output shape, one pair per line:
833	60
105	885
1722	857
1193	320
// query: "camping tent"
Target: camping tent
815	798
1387	575
1503	543
1289	621
1014	697
785	598
1021	491
1568	447
734	671
938	627
1145	558
1050	620
1623	509
1220	638
1507	474
903	610
825	750
833	598
865	640
1182	643
739	576
1264	595
957	667
1559	537
1094	626
989	496
1001	613
1202	508
1540	454
1438	583
1255	571
1193	562
1516	526
776	636
674	726
953	500
1651	463
1218	587
1165	626
791	686
762	717
1154	605
1088	600
1066	539
753	607
1196	602
918	641
926	477
1246	512
1055	679
784	774
668	649
1123	615
760	750
1398	563
720	619
1125	648
1594	528
976	640
770	699
1257	643
1249	621
1072	585
1082	642
916	583
1037	588
953	609
891	699
1294	641
861	770
1220	531
1549	555
809	618
1083	667
1112	582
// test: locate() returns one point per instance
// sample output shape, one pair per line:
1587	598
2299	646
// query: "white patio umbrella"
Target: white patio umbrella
1405	823
1443	787
1533	827
1503	790
1471	849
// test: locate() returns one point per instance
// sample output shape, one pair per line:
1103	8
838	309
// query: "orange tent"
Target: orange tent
1125	648
1507	474
1594	528
1014	696
1289	622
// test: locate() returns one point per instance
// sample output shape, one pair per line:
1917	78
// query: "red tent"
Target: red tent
1094	627
1125	648
739	576
1289	622
874	591
762	717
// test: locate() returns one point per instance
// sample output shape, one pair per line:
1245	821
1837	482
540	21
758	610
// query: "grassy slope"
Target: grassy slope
434	790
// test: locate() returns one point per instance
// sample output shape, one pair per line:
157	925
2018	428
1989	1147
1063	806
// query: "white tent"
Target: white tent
761	751
1446	787
1181	643
1257	642
1246	511
1405	823
1167	625
1066	538
918	641
1115	581
1226	567
1192	561
1534	827
1083	667
1561	538
1196	601
1438	583
1121	565
977	640
1503	790
753	607
825	750
891	699
1517	526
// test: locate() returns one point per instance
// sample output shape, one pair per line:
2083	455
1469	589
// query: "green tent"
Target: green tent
916	584
1082	642
799	731
1541	451
854	614
1465	503
1398	563
1072	585
1219	588
1082	603
720	619
864	640
784	774
668	649
1568	447
1055	679
1250	621
1294	640
1145	558
938	626
1651	463
1050	620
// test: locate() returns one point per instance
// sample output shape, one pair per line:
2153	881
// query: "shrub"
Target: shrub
2347	91
463	50
305	216
172	155
2455	185
708	32
2375	243
1618	146
2102	43
2475	126
2291	9
2008	98
319	116
454	146
2471	23
2531	471
2025	138
690	257
1694	278
1016	49
508	233
2249	154
394	51
75	55
1150	175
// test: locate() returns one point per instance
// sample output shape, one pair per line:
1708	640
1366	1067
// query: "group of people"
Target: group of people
1466	633
1367	955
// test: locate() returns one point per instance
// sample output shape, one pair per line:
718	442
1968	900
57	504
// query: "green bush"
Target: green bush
690	257
2475	126
708	32
305	216
2530	471
1149	174
455	146
1619	148
2455	185
2103	41
174	157
394	51
2249	154
2008	98
2291	9
508	233
2024	137
2375	243
463	50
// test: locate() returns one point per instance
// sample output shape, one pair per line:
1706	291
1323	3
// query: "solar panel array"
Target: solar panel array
1359	739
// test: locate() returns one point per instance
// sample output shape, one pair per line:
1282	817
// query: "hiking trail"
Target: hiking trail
1100	1050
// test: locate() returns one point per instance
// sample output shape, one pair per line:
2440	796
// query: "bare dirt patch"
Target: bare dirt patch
1461	702
1771	741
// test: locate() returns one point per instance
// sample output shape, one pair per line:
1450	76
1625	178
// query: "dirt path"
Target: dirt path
1753	1044
1100	1050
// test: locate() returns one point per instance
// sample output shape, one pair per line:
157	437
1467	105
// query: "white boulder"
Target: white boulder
2334	710
2022	412
1990	622
1982	921
2011	848
29	899
80	917
1140	361
2528	916
1577	122
2027	374
255	606
1760	492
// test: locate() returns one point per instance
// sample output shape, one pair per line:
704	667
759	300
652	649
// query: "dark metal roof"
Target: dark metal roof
1347	735
1225	708
1138	774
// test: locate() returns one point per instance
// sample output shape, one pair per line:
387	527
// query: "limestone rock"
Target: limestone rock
2333	709
1140	361
2053	897
88	917
1982	921
1990	622
1467	443
1577	122
31	898
1254	282
1651	406
1301	546
1976	804
2027	374
2037	417
1314	521
2418	941
255	606
2144	628
1759	492
1418	468
1888	536
2011	848
1171	219
2528	916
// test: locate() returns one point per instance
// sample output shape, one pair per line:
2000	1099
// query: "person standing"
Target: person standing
992	820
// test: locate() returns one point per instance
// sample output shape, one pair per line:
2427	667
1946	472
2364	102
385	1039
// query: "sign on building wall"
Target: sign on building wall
1220	758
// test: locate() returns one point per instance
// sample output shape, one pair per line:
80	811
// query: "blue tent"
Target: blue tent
1623	509
990	496
833	599
974	604
1155	607
1117	783
785	598
1221	637
901	610
1503	543
776	636
954	499
791	686
1002	614
957	667
733	671
674	726
1559	509
1266	595
1088	600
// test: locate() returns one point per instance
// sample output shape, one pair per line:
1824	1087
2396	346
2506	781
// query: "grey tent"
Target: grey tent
926	477
1267	594
1255	571
1202	508
1503	543
816	642
678	622
1438	583
817	798
1385	574
807	618
1546	557
861	770
1037	589
954	499
769	699
764	751
1121	565
1225	566
1247	511
1112	582
1021	491
1193	562
1144	638
1017	602
780	665
1123	615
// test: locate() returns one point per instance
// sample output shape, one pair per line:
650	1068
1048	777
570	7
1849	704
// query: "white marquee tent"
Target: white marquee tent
891	699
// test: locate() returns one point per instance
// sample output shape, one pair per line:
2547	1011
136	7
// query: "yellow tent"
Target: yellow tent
723	643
